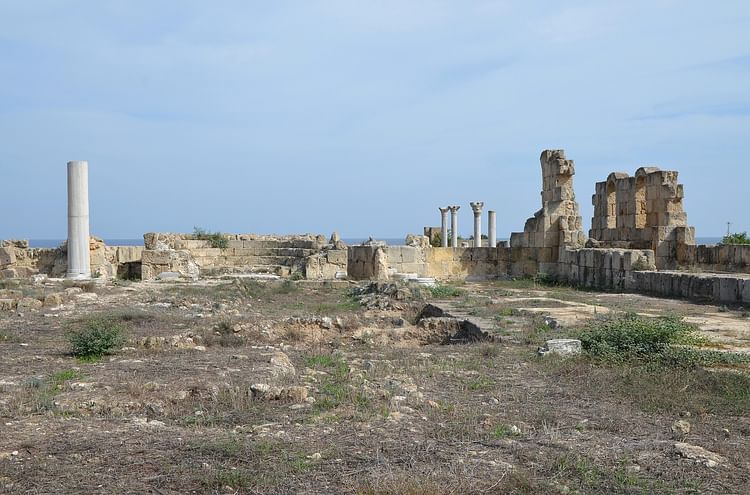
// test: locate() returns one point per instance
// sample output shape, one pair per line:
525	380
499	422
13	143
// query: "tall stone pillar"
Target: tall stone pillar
477	209
454	225
443	227
492	228
79	261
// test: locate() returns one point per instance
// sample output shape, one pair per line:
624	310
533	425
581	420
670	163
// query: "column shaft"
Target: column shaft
492	228
79	261
454	225
443	227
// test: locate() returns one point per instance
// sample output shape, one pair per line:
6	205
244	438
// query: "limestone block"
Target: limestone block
53	300
7	304
207	252
28	304
479	254
129	254
746	291
410	254
337	256
730	289
7	256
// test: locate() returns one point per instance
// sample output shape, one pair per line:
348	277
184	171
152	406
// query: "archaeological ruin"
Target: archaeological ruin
639	241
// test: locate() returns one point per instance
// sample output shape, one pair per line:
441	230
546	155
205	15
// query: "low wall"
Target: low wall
731	259
709	287
310	256
607	269
17	260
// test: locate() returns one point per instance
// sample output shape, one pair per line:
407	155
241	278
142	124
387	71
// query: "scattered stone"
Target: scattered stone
561	347
551	323
281	364
53	300
680	429
7	304
72	291
28	304
169	276
699	455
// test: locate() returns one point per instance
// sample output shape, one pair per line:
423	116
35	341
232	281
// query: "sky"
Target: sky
362	117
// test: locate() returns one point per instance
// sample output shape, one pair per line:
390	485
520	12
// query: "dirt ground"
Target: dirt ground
245	387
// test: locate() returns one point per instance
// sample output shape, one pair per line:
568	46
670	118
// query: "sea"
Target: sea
391	241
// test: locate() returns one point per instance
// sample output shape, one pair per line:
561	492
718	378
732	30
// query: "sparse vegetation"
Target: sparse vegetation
442	291
736	238
96	336
217	239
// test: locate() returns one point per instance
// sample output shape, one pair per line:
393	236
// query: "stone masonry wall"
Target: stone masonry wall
558	223
730	259
642	212
17	260
308	255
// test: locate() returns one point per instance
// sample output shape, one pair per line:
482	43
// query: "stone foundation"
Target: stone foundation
308	256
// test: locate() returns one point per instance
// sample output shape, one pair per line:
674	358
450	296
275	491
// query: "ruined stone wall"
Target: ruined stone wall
17	260
642	212
439	263
558	224
309	256
730	259
606	269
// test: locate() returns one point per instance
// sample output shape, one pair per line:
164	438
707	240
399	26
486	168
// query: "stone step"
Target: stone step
254	244
229	252
254	269
230	261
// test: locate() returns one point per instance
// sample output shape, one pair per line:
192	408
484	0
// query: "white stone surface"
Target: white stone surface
79	262
492	228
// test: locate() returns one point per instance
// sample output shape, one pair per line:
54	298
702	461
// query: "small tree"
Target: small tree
736	238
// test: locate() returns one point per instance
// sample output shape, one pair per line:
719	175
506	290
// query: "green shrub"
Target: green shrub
666	341
631	335
96	336
736	238
217	239
442	291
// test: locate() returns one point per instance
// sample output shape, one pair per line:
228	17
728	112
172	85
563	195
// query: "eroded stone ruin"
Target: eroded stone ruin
639	240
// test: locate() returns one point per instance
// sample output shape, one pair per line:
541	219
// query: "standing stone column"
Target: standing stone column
79	261
492	228
443	227
454	225
477	208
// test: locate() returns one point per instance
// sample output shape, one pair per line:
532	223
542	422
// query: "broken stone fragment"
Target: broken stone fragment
28	304
561	347
699	455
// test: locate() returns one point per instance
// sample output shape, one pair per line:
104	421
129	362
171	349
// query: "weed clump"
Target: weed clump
443	291
96	336
666	340
217	239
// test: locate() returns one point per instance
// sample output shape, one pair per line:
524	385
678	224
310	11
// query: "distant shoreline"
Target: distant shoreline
53	243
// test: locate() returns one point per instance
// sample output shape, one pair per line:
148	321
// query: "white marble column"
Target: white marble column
492	228
79	262
443	227
477	209
454	225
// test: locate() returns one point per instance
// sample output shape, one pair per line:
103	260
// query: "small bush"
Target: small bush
635	336
736	238
666	341
96	336
442	291
217	239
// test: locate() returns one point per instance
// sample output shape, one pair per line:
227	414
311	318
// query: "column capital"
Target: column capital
454	208
477	207
444	210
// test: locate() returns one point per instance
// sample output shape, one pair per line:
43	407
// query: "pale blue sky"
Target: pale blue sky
362	117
